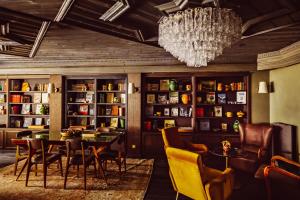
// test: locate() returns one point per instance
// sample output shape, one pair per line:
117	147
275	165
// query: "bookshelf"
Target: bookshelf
28	103
96	102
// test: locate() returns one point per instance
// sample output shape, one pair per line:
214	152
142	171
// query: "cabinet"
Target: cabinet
204	106
96	102
28	103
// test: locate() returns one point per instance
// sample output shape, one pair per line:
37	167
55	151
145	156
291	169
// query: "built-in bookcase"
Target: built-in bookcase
96	102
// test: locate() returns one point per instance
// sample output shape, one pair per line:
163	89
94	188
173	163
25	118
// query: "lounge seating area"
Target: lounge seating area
149	99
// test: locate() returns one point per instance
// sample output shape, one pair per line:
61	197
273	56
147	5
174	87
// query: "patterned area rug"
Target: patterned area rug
131	185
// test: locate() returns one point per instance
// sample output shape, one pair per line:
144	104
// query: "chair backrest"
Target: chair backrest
75	143
185	172
285	141
36	146
103	129
256	136
21	134
171	138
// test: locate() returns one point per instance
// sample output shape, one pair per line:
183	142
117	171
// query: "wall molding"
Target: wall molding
284	57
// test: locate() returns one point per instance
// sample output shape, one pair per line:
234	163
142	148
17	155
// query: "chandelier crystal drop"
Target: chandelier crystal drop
197	36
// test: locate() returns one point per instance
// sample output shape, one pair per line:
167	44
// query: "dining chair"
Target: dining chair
78	154
21	150
192	179
38	155
115	153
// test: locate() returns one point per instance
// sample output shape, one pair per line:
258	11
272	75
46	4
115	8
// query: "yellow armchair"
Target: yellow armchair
172	139
190	178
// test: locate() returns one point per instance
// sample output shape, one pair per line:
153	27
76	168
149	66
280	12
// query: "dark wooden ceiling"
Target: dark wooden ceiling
268	24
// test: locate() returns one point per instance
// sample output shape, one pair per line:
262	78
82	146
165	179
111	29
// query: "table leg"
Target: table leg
99	166
226	161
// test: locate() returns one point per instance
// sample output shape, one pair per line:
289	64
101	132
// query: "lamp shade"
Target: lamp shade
131	88
50	88
262	87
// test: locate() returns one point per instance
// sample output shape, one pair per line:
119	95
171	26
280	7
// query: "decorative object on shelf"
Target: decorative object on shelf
158	114
224	126
101	98
26	109
204	125
207	86
123	98
2	98
122	123
2	110
104	87
38	121
197	36
16	84
221	98
240	114
25	86
120	86
233	86
108	111
116	100
241	97
218	111
109	97
163	85
114	122
89	97
83	110
166	111
173	85
235	126
27	122
199	99
148	125
122	111
229	114
155	125
149	111
220	87
227	88
211	98
110	86
188	87
226	146
45	98
162	99
262	87
26	99
150	98
200	112
37	97
185	98
114	110
152	86
169	123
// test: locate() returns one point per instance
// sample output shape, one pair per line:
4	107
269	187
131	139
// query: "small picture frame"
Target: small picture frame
169	123
108	111
166	111
218	111
204	125
27	122
241	97
150	98
38	121
162	99
174	112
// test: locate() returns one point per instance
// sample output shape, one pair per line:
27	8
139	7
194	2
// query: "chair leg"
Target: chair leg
66	175
16	166
95	169
77	171
36	169
177	195
84	175
45	173
61	169
28	172
23	167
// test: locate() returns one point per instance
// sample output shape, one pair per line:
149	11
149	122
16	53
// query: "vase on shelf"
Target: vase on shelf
185	98
173	85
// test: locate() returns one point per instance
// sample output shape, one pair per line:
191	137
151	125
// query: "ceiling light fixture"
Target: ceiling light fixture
197	36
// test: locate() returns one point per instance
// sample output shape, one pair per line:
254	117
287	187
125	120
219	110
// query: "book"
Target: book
38	121
38	109
174	112
109	97
114	122
114	110
26	99
25	109
241	97
15	98
37	97
183	112
101	98
166	111
174	97
83	109
83	121
16	85
45	98
210	98
169	123
150	98
27	122
164	85
207	86
162	99
218	111
149	111
2	98
80	98
221	98
38	126
108	111
123	98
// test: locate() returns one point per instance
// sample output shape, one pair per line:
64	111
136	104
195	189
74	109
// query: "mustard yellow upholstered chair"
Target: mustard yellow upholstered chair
171	138
190	178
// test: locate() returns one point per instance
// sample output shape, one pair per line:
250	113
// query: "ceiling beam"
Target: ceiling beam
44	27
64	9
115	11
251	22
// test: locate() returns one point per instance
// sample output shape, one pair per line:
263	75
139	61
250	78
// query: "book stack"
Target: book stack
15	98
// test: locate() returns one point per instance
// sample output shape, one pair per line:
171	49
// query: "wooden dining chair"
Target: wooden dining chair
21	150
38	155
77	155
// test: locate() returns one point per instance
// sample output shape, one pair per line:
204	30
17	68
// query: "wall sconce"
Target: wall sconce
263	87
131	88
52	88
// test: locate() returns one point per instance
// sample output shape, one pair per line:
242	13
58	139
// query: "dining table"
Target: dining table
96	140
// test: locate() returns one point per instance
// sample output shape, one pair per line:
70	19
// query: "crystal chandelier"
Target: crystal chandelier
196	36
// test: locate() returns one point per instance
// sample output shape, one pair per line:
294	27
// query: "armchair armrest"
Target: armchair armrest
276	158
199	148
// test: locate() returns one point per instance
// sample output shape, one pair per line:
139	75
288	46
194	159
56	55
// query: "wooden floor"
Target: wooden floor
160	187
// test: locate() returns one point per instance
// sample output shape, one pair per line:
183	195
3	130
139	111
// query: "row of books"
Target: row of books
112	98
173	112
35	98
163	98
30	122
27	109
21	85
83	86
241	98
111	111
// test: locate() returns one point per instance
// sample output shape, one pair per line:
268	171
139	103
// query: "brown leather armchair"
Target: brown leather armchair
172	139
256	146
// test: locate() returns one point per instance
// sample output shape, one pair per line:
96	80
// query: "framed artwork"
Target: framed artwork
204	125
169	123
38	121
27	122
221	98
174	97
174	112
241	97
149	111
38	109
89	97
150	98
211	98
162	99
37	97
108	111
26	99
123	98
45	98
83	109
109	97
206	86
218	111
183	112
166	111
